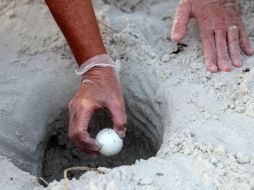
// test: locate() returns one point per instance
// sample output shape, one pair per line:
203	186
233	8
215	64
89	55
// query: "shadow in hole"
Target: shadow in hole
61	153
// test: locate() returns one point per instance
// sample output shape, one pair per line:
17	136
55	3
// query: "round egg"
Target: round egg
109	141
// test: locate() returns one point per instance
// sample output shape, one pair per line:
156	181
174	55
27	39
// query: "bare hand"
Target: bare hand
100	89
222	31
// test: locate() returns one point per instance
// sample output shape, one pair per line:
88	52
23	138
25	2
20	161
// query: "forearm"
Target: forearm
77	22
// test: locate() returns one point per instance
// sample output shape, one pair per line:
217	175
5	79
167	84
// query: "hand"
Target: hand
222	31
100	89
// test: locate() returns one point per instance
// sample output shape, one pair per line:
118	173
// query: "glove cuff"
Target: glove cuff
103	60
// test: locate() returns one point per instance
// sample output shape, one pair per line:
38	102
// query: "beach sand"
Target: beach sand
202	124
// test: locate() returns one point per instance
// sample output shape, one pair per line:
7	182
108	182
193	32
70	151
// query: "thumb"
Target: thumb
119	118
181	21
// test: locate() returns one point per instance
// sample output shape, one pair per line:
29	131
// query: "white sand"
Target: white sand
206	120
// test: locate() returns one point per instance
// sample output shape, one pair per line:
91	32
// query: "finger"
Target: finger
86	143
244	40
78	125
210	52
224	62
181	21
119	117
233	44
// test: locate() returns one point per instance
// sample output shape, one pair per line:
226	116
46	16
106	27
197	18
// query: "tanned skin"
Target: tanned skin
77	21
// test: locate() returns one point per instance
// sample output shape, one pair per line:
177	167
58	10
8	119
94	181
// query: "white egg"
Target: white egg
109	141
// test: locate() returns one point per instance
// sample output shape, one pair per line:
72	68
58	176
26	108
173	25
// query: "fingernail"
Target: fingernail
98	145
251	51
238	64
176	37
121	134
212	68
227	69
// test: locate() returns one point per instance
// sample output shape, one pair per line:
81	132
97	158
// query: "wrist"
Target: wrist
95	72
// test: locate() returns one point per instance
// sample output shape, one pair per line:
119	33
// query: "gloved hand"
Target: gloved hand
222	31
99	89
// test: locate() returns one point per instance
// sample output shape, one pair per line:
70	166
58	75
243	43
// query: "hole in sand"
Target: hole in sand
61	153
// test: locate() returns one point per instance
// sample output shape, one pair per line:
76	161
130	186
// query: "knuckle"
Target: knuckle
118	105
244	40
87	141
85	105
211	58
82	107
233	28
71	104
85	136
81	104
72	135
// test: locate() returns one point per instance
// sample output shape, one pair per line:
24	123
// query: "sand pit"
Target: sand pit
189	129
60	153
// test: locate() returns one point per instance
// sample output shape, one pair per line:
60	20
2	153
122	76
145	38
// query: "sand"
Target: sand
203	122
61	153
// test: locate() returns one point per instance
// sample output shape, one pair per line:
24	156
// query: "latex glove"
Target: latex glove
100	89
222	31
